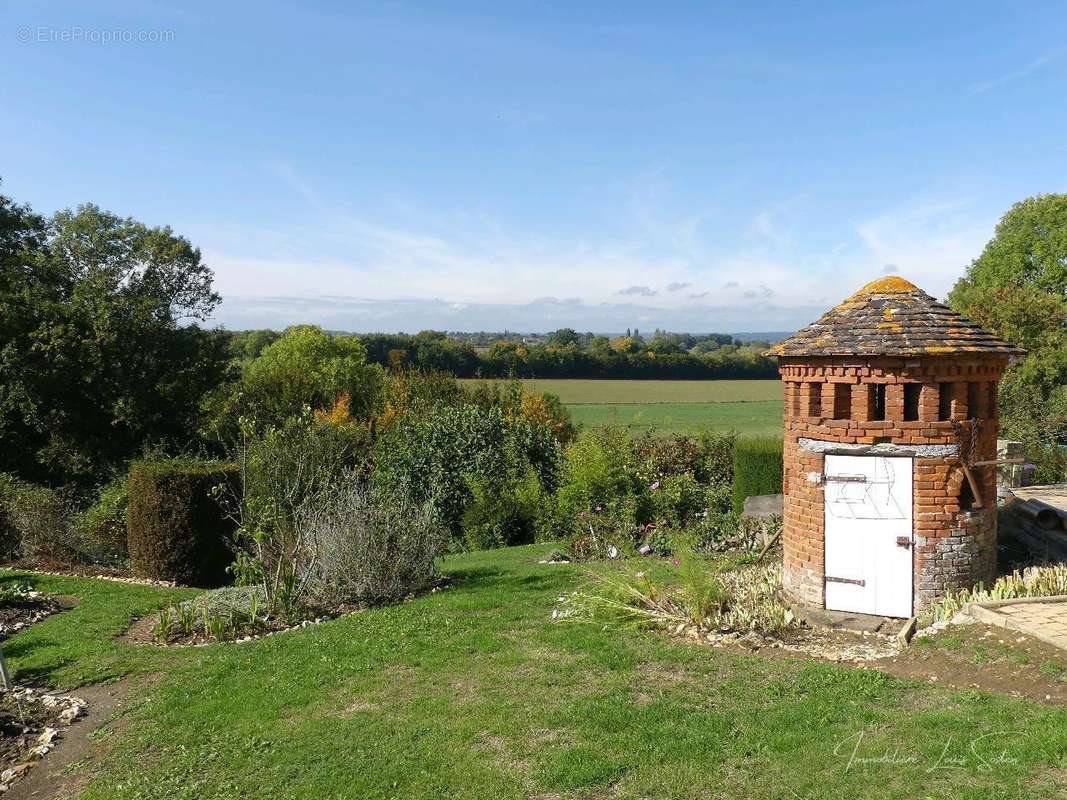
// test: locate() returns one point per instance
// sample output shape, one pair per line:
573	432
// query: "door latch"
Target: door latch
904	541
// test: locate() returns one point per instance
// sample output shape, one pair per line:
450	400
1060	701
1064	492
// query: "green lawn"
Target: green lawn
753	408
474	692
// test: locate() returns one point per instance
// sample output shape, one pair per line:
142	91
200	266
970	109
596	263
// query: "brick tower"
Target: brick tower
890	412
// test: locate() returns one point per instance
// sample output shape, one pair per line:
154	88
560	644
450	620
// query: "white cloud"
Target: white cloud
929	242
459	263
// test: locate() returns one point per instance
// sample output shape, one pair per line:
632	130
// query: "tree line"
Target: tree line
560	354
104	355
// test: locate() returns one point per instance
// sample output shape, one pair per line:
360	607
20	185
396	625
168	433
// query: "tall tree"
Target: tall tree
101	354
1017	288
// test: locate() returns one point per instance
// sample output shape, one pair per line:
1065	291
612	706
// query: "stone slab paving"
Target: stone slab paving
1044	619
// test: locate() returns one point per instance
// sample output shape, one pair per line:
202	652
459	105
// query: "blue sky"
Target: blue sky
396	166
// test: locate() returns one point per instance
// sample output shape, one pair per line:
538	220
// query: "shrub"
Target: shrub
516	402
718	452
678	499
757	469
284	467
359	546
658	457
306	368
39	524
9	535
103	524
440	457
413	391
505	513
177	529
42	520
597	470
283	471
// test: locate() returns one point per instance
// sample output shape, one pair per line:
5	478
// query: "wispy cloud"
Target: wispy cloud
469	266
637	291
1015	75
928	241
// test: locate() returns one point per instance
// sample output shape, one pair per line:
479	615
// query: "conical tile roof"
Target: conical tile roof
893	317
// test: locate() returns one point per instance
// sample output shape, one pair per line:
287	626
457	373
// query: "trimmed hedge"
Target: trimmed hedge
176	529
757	469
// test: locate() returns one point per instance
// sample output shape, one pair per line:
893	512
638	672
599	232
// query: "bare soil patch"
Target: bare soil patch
964	657
986	658
69	767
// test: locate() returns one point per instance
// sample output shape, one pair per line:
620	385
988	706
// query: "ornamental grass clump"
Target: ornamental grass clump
699	599
1037	581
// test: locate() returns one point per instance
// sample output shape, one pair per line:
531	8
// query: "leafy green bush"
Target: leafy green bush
598	470
103	524
177	529
757	469
678	499
41	525
284	467
306	369
443	456
718	452
505	513
708	457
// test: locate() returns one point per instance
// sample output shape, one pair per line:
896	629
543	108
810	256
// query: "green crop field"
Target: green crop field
573	391
759	418
748	407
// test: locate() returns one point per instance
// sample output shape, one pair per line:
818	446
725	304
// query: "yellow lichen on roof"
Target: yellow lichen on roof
890	284
892	327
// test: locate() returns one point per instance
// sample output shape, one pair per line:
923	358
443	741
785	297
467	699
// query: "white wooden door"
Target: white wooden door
868	534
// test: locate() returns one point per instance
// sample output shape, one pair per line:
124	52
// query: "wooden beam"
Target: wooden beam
998	461
974	486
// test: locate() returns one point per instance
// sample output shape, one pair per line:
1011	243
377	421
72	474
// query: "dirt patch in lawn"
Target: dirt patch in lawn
31	722
962	657
68	768
986	658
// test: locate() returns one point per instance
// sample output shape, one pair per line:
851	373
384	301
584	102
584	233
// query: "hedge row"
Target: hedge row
757	469
176	528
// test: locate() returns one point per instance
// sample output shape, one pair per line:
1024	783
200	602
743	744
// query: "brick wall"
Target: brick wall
929	401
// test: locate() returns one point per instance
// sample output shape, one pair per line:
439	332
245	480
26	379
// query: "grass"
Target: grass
762	418
753	408
78	647
473	693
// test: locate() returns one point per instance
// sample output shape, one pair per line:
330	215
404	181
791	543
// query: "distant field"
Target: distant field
589	391
758	418
749	407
